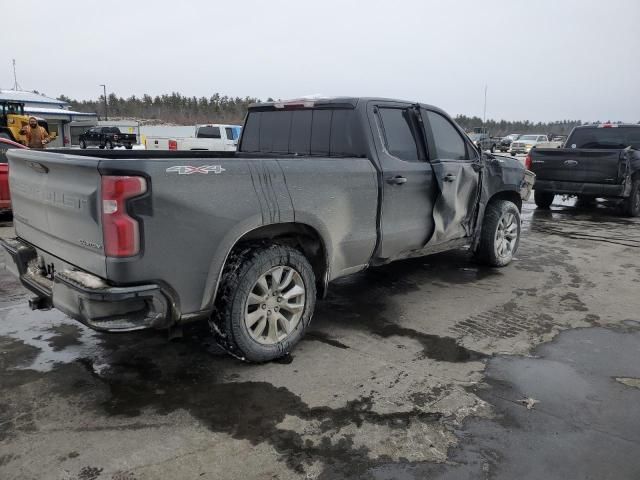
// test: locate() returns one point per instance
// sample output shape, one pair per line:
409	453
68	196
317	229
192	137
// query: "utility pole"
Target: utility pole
15	78
484	113
106	113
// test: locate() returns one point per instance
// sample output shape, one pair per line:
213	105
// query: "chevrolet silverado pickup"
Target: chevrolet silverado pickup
127	240
598	161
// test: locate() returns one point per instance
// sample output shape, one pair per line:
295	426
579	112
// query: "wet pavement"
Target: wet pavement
419	369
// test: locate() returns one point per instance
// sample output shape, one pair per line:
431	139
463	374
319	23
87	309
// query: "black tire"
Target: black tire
108	145
100	146
83	144
513	154
493	148
239	278
543	199
129	147
488	250
632	204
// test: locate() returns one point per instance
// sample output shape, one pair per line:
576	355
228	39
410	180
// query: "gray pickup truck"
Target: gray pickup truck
319	189
598	161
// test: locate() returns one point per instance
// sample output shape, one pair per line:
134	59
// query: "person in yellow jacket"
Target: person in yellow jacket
37	136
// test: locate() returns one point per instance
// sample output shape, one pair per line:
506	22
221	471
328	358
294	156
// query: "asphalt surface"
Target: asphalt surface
428	368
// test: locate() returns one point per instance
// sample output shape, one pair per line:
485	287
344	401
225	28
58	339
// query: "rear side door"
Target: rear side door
407	181
456	166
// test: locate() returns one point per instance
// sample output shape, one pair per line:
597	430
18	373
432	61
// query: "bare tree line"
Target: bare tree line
182	110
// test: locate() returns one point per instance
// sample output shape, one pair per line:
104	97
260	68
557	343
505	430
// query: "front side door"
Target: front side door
456	166
408	183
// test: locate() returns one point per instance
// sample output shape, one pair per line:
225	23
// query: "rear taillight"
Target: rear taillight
527	162
173	145
121	233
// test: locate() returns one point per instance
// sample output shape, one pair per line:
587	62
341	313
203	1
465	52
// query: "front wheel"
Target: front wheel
513	154
83	144
265	302
632	204
543	199
493	148
108	145
500	235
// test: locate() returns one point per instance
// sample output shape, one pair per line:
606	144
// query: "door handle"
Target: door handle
449	177
397	180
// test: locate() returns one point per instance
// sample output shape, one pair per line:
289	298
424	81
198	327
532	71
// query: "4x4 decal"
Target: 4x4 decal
188	169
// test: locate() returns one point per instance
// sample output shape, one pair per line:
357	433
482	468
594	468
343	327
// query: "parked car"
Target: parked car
318	190
505	142
556	141
5	196
216	137
598	161
107	137
483	141
525	143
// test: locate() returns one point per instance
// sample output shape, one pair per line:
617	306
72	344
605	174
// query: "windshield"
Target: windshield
594	137
514	136
529	137
476	136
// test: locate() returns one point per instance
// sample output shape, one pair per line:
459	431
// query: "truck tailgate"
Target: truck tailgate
576	165
56	205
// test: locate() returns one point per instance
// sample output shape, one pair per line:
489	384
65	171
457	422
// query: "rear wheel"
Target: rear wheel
632	204
513	154
543	199
265	303
500	235
83	144
493	148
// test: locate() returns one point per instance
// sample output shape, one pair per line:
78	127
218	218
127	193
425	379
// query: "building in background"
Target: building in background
59	116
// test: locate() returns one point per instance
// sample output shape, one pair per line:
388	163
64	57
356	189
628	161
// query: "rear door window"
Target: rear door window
399	136
449	144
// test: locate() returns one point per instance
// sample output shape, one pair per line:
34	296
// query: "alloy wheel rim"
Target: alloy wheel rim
506	235
275	305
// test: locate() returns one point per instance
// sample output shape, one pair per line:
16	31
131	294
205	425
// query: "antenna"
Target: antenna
16	86
484	113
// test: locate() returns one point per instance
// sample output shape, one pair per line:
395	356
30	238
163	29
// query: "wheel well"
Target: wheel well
296	235
509	195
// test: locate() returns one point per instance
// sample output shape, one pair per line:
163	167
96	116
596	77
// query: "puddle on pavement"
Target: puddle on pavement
584	423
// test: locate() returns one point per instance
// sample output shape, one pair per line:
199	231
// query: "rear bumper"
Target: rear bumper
5	205
574	188
86	297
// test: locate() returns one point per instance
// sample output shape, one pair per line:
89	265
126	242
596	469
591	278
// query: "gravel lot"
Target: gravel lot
427	368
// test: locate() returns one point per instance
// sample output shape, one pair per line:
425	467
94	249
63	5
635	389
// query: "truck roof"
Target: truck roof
328	102
609	125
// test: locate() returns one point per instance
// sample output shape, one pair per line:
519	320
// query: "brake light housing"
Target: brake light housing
120	231
527	162
173	145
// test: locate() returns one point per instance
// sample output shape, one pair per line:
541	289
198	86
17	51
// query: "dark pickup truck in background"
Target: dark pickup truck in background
318	189
599	161
107	137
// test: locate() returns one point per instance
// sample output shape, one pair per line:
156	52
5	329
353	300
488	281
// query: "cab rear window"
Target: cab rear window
603	138
322	132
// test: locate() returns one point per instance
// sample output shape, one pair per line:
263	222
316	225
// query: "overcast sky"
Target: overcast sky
542	60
